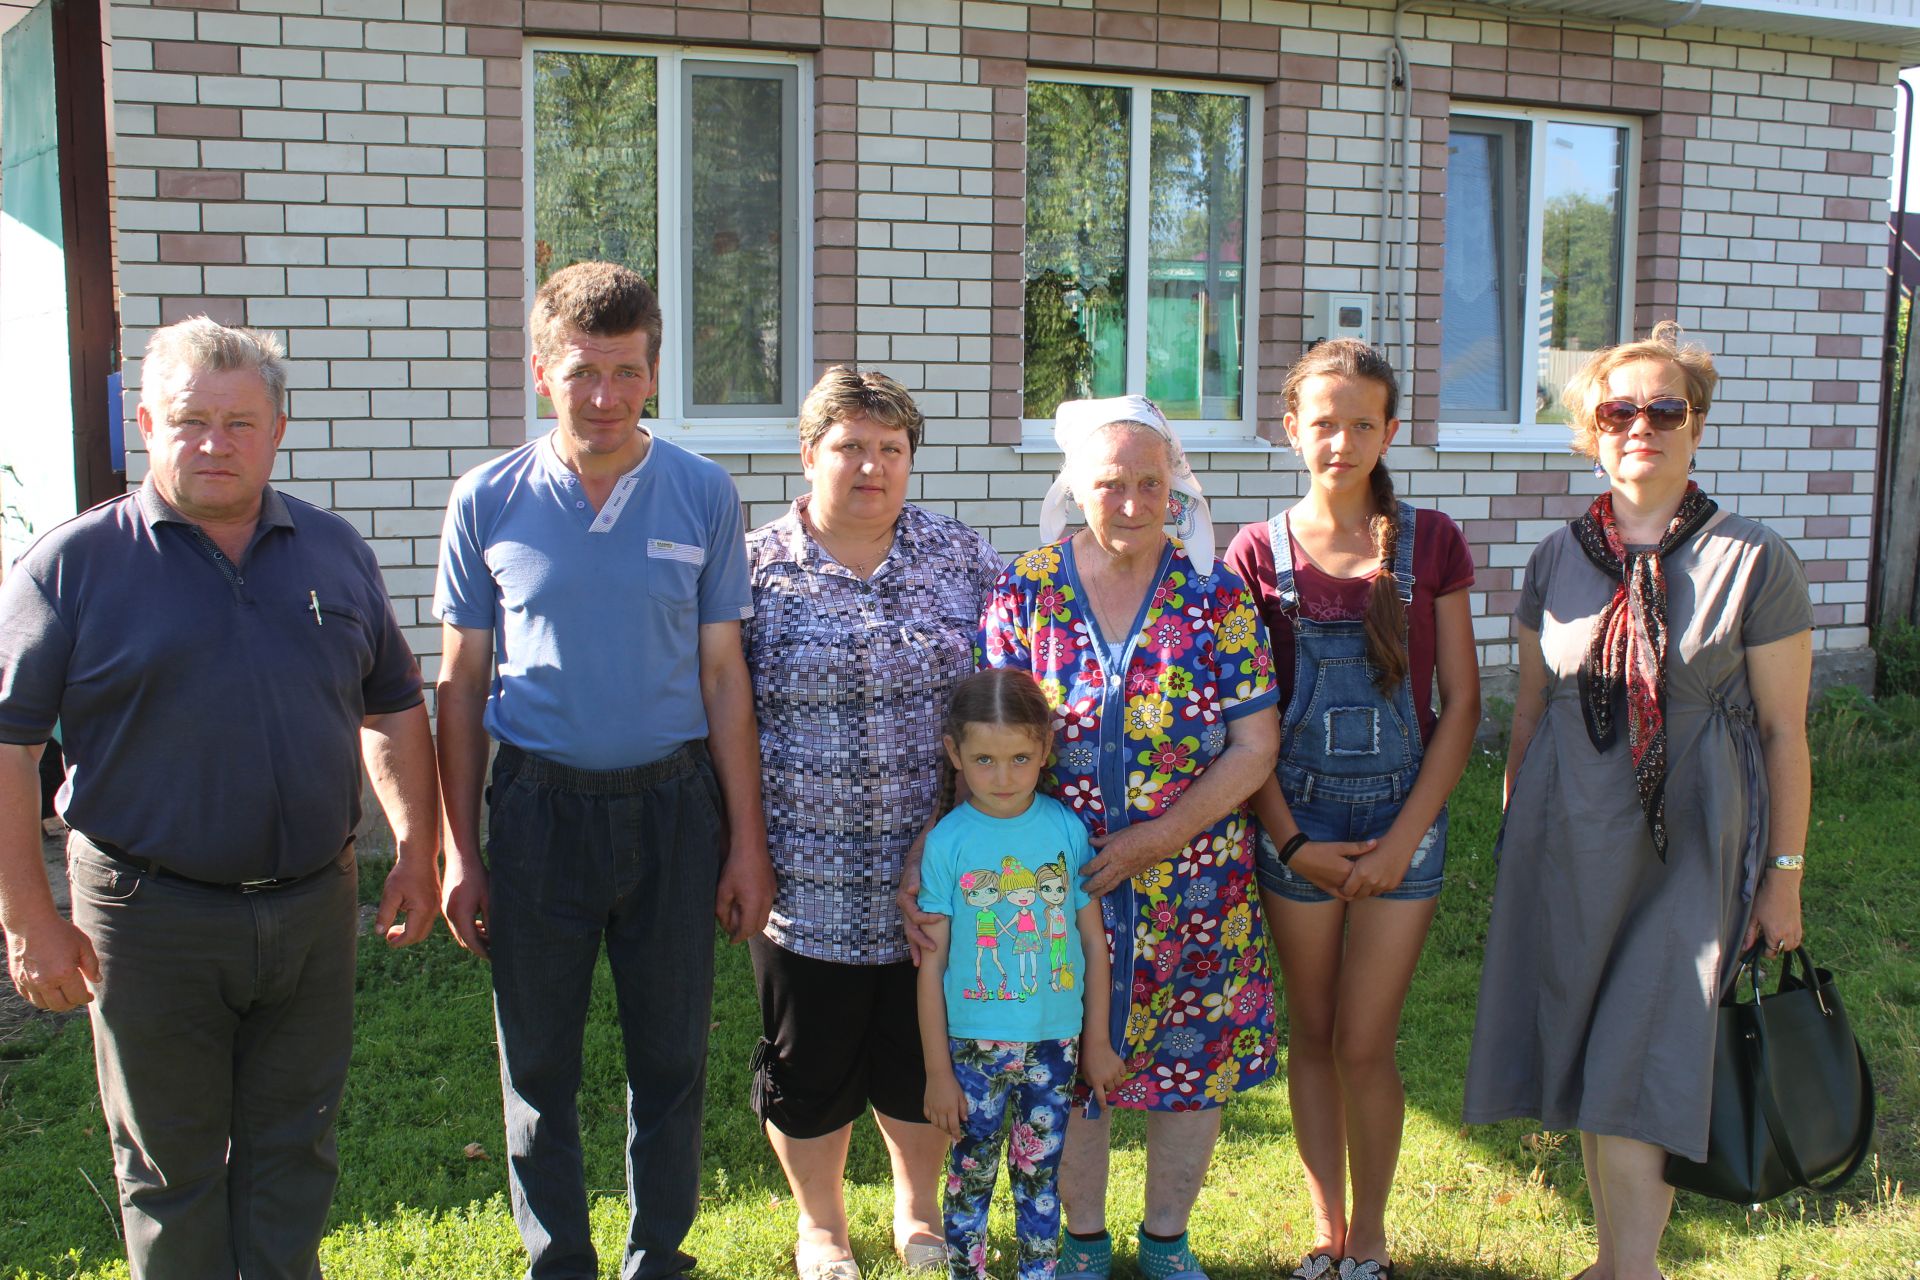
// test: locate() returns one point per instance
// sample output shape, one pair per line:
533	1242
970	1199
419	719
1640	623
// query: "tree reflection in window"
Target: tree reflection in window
735	275
595	167
1076	294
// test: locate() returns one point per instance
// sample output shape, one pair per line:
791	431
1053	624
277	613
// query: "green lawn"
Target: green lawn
1504	1201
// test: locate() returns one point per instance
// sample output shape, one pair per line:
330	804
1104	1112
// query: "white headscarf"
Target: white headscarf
1074	424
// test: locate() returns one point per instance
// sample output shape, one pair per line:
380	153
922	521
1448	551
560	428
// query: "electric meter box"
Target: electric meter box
1339	315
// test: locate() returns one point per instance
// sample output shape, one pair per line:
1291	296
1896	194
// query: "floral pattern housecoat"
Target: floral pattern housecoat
1193	991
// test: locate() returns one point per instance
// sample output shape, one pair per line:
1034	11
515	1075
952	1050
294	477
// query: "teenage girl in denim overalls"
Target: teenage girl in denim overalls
1356	816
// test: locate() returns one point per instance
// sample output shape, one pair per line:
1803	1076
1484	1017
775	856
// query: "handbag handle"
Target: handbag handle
1763	1076
1809	977
1809	974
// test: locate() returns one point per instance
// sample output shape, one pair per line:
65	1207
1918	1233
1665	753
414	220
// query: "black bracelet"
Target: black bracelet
1291	847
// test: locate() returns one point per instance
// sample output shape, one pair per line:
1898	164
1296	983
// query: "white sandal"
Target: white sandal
918	1256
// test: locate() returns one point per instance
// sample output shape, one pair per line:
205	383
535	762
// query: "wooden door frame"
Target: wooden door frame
93	332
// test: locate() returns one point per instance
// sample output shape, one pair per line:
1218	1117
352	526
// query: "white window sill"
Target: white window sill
710	438
1037	437
1490	437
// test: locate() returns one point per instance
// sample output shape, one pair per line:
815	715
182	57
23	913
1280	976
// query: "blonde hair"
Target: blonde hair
1587	388
844	392
203	344
1014	877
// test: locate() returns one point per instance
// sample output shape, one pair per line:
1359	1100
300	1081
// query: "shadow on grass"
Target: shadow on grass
424	1085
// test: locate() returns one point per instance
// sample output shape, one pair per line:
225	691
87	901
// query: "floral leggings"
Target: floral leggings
1036	1077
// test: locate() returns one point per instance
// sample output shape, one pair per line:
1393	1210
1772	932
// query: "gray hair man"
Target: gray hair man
221	658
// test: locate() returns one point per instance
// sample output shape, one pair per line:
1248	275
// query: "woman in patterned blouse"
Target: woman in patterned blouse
864	614
1156	665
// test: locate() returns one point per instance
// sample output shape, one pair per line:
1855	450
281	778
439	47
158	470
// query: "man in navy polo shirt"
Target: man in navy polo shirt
221	658
591	587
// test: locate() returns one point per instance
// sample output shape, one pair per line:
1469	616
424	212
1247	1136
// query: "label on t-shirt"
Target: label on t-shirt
661	549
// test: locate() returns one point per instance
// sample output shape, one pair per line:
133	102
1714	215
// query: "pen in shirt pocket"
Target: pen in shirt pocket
313	598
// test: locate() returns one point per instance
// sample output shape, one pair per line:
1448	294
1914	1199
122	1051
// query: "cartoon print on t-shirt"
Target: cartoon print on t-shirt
1053	891
1021	890
981	889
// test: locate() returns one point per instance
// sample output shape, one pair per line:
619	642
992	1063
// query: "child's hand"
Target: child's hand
946	1105
1103	1068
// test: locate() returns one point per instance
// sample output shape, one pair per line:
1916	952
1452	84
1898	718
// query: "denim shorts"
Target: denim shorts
1351	809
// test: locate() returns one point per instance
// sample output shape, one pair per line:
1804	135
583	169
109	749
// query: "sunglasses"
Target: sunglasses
1664	413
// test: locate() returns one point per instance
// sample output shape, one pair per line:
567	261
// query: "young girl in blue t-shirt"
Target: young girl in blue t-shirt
987	863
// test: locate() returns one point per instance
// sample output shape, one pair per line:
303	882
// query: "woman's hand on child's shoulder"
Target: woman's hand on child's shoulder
1101	1066
913	921
946	1106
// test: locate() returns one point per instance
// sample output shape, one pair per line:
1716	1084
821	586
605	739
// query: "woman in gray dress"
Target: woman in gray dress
1657	790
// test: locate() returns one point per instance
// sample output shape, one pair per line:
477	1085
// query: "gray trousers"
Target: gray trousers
221	1030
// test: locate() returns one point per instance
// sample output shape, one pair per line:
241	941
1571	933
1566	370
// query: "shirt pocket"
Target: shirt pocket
673	572
672	584
334	636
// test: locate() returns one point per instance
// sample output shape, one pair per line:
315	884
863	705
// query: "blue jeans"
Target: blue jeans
631	856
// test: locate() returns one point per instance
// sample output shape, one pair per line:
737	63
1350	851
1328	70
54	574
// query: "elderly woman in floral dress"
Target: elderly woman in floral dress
1156	665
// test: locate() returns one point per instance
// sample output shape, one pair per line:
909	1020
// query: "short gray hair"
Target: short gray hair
202	344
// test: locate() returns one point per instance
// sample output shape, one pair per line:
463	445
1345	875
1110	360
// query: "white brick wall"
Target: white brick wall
357	133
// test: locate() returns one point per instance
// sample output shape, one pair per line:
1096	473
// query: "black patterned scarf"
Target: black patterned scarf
1627	657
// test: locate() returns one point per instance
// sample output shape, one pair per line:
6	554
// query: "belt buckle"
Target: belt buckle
257	886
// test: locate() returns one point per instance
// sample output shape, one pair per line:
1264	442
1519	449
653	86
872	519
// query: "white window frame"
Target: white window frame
1528	435
1210	435
705	433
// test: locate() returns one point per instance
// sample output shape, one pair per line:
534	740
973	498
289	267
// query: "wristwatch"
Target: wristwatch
1790	862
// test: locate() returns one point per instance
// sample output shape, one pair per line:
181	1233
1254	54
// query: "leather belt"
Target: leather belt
114	853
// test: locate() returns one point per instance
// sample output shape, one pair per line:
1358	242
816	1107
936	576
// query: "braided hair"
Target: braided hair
1386	617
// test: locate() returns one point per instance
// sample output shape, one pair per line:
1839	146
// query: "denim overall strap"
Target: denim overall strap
1282	543
1408	522
1404	517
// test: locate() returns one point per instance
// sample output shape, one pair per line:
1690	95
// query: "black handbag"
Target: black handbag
1792	1095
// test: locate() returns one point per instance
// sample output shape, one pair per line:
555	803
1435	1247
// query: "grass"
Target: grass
1505	1201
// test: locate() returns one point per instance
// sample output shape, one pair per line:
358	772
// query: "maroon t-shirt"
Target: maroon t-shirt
1442	564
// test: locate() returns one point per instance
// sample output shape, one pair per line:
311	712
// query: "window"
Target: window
688	169
1539	217
1141	232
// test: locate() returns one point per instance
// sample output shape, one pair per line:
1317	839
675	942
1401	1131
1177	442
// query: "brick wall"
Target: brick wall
351	175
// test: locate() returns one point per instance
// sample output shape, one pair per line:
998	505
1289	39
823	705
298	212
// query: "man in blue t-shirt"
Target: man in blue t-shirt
591	589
